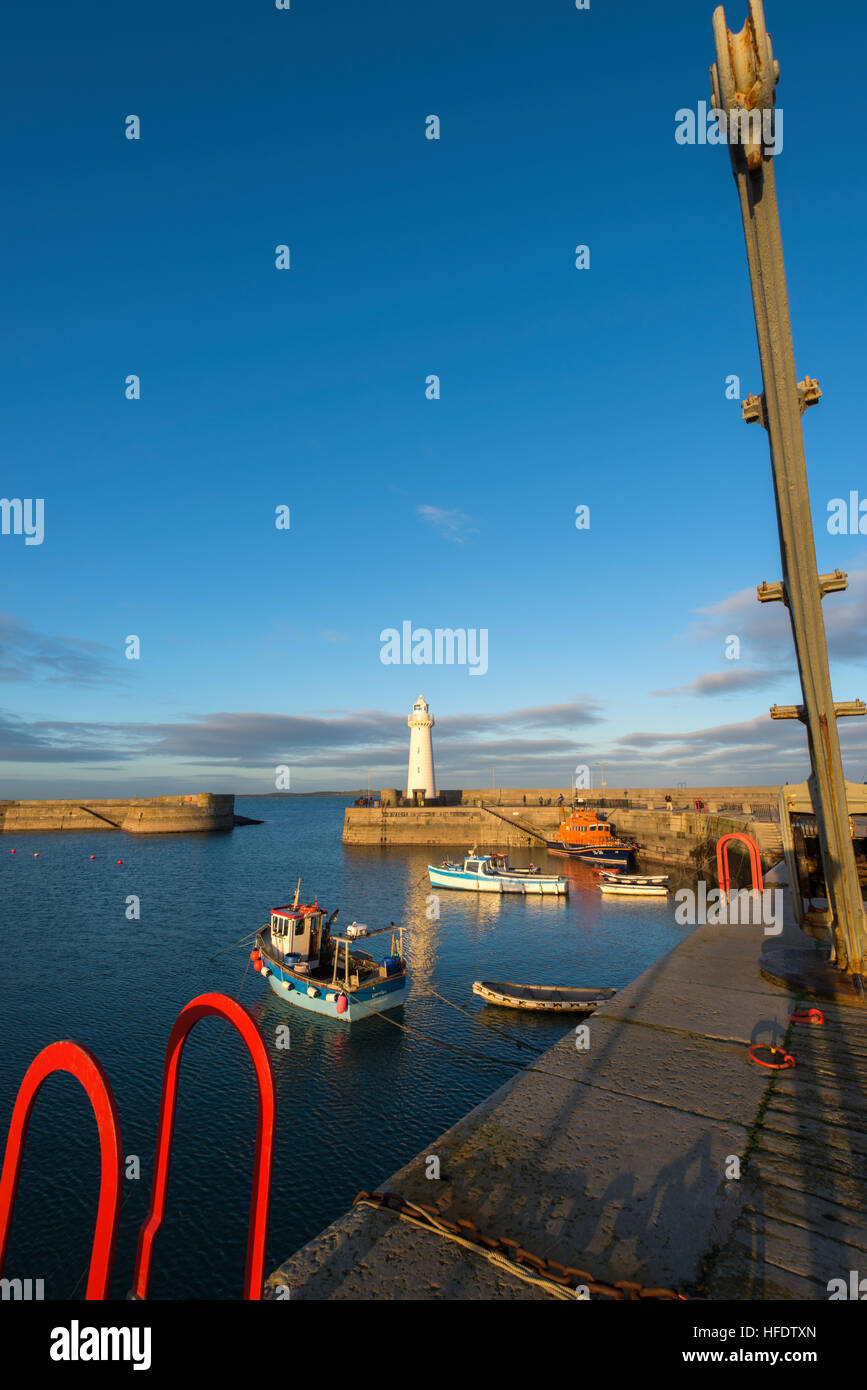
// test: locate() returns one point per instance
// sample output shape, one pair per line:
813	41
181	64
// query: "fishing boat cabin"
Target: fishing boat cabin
297	935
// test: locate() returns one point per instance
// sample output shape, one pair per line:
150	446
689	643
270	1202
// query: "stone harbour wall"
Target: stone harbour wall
157	815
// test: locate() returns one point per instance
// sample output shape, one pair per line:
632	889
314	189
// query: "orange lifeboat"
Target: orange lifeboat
584	836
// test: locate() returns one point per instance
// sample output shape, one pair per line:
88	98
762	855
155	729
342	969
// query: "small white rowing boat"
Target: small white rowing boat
645	890
631	878
565	997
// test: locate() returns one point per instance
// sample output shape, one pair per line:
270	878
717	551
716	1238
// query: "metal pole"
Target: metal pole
743	82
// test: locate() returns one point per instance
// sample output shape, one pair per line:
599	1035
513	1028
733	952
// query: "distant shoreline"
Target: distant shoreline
279	796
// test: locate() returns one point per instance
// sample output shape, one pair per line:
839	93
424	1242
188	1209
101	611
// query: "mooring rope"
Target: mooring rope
492	1256
511	1063
476	1018
561	1281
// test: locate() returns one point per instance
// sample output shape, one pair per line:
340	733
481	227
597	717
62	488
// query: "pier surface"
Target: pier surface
621	1164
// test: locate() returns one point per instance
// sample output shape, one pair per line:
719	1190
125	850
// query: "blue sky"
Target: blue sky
306	388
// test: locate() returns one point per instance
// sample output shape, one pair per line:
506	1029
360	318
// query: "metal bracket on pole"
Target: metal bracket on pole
753	407
753	411
772	593
842	709
776	593
830	583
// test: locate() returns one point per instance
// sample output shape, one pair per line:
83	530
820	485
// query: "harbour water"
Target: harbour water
353	1104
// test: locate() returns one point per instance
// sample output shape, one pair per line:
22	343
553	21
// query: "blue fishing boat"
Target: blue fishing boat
309	967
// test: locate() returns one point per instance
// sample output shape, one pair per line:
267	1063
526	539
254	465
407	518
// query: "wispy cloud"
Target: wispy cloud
533	746
765	628
758	750
347	739
27	655
728	682
452	525
765	637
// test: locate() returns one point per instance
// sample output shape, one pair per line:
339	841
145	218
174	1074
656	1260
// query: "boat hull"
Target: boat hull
551	998
592	854
362	1003
376	997
499	883
656	880
635	890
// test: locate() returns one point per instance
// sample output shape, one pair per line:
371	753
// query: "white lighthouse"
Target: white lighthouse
420	776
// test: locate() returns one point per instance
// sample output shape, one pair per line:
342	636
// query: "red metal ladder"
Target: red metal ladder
722	861
71	1057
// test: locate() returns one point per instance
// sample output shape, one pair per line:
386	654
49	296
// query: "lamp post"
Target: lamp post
743	82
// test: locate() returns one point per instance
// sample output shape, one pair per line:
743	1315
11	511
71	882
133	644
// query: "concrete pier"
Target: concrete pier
682	838
622	1163
156	815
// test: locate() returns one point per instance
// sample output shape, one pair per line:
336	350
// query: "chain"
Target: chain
510	1254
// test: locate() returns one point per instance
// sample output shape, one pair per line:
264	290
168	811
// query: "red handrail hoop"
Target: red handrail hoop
80	1063
223	1007
722	860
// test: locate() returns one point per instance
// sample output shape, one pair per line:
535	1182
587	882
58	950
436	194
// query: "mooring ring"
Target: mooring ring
788	1059
803	1015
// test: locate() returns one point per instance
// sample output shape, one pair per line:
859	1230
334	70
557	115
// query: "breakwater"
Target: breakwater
156	815
681	838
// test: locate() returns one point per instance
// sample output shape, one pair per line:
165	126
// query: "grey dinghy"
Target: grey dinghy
576	1000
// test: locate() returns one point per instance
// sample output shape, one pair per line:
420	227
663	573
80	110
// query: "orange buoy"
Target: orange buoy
342	1003
93	856
120	861
13	851
257	965
254	955
36	854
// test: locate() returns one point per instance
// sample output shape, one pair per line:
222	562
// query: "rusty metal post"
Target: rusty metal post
743	83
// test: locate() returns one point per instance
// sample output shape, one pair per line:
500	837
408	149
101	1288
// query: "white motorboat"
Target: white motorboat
479	873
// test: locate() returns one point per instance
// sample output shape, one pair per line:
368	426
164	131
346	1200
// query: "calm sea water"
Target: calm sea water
353	1104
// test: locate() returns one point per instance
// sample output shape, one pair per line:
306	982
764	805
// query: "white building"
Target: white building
420	775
